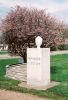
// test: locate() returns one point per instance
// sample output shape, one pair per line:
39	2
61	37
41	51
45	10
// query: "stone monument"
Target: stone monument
38	65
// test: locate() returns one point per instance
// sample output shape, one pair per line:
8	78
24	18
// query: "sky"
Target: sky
56	8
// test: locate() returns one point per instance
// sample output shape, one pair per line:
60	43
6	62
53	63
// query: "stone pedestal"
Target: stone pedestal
38	66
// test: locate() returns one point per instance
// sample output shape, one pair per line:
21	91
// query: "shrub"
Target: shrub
53	48
63	47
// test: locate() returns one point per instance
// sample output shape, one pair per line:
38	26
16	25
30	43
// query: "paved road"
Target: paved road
7	56
9	95
59	52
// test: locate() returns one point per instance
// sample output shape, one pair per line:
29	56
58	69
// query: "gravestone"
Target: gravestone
38	65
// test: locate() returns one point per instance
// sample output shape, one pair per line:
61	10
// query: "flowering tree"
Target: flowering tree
22	25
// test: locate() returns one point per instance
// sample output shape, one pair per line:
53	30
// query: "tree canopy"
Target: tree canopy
22	25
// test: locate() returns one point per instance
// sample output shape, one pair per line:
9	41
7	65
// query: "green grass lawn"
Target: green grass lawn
3	52
59	72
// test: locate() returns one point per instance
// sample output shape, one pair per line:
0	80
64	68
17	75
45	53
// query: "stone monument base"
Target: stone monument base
38	66
50	85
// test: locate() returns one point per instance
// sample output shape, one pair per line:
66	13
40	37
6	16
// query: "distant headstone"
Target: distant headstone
38	65
21	60
6	48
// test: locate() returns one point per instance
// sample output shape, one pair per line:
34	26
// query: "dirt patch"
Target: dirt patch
10	95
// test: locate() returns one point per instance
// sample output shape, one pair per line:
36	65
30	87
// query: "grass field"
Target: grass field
59	72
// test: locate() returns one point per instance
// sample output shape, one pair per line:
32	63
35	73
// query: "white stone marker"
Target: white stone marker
38	65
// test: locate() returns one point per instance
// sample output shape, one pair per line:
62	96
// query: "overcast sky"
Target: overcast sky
57	8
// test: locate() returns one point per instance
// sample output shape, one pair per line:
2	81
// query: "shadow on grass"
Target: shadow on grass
53	69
